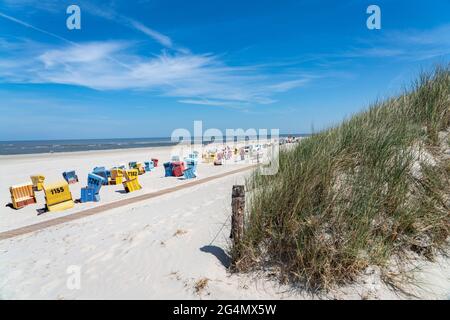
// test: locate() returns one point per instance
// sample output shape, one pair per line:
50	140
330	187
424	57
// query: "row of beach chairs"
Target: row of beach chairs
58	196
186	168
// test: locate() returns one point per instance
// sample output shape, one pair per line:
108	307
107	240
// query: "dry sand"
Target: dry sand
169	247
17	169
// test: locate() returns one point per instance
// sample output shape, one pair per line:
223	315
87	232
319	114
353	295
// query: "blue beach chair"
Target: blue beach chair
102	172
89	195
95	182
70	177
189	173
91	192
191	163
149	166
168	169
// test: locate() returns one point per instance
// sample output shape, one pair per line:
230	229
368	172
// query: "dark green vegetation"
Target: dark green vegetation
358	194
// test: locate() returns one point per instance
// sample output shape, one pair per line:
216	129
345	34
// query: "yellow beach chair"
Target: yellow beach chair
58	196
140	168
132	182
38	181
22	195
116	176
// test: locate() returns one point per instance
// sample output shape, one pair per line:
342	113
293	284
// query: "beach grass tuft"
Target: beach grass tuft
357	194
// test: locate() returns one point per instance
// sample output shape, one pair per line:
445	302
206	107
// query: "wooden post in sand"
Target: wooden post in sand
237	217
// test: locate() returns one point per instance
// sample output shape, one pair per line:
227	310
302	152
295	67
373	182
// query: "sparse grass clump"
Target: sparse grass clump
201	285
356	194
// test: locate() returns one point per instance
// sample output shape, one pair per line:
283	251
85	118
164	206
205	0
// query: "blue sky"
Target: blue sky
144	68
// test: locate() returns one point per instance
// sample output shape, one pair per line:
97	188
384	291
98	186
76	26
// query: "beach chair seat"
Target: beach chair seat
113	182
38	182
22	195
116	176
131	185
192	163
58	196
91	192
189	173
89	195
140	168
210	157
149	166
168	169
70	177
155	162
131	174
178	168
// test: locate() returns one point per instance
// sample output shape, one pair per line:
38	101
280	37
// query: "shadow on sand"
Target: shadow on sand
218	253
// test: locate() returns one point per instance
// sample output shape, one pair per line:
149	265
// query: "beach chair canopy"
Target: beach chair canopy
38	181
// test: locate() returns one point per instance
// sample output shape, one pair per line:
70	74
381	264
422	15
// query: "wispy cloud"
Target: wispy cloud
204	102
194	78
412	45
47	5
105	12
111	15
27	25
289	85
162	39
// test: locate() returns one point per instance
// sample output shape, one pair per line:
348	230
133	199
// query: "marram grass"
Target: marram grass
356	194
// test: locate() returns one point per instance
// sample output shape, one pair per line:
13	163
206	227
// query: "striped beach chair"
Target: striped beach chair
22	195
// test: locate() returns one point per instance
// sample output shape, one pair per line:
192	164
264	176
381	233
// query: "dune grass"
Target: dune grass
356	194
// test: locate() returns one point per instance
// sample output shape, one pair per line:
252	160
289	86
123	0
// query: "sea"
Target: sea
53	146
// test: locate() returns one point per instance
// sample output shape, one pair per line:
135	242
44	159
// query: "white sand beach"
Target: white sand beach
169	247
17	170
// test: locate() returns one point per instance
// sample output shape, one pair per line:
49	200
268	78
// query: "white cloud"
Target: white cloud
289	85
205	102
27	25
105	12
159	37
204	79
194	79
112	15
90	52
411	45
47	5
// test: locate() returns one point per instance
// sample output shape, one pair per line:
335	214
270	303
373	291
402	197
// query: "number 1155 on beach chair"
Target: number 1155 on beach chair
58	196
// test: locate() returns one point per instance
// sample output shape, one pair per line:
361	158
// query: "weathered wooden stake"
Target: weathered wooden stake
237	217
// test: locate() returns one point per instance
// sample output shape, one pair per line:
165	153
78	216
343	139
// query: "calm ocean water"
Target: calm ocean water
50	146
